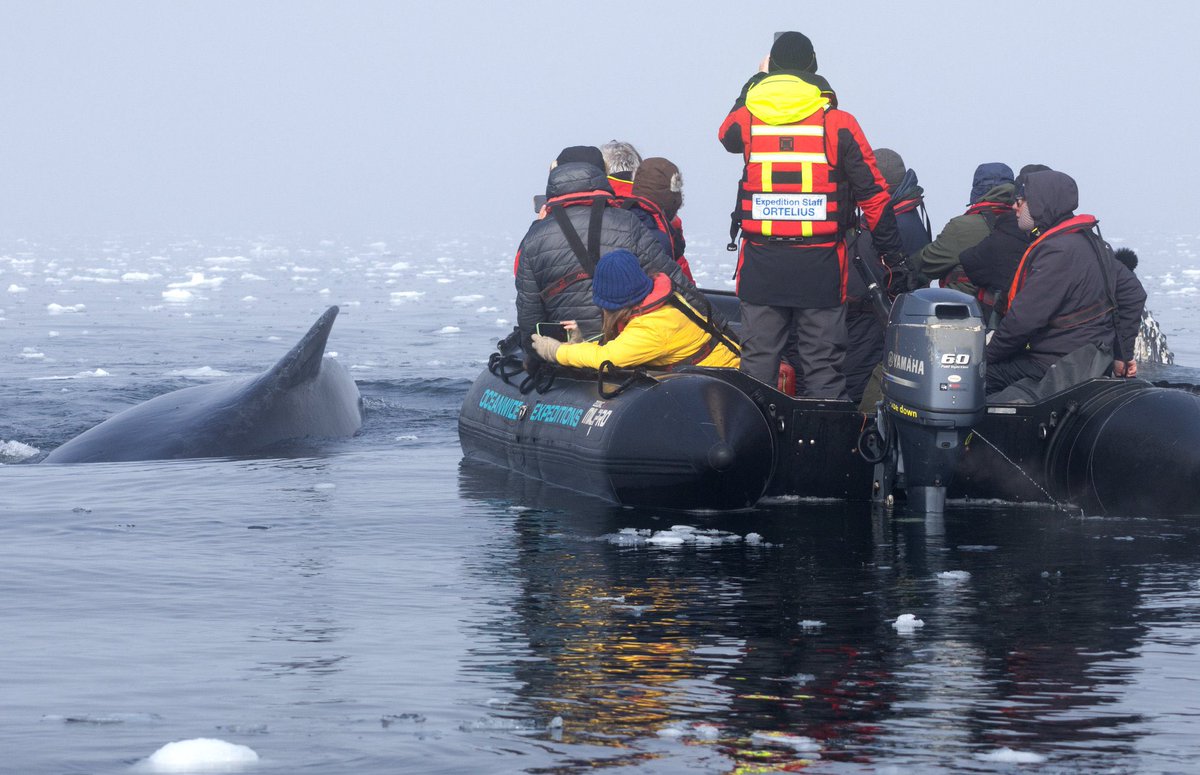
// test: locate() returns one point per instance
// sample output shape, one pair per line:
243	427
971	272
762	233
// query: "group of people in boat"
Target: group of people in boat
607	253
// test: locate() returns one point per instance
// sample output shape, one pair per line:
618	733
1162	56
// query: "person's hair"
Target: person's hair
612	321
620	157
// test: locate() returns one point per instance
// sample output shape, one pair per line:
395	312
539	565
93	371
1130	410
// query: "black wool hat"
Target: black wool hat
585	153
793	51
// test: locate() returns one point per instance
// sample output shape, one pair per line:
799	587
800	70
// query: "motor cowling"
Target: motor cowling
933	390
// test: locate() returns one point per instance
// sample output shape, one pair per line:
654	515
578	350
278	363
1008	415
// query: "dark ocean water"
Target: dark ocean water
378	606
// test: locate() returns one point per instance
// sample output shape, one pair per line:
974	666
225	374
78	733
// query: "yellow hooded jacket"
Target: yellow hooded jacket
661	337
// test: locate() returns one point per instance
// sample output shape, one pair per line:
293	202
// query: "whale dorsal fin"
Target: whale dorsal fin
303	362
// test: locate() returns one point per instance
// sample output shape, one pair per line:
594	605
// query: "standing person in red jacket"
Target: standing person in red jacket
807	164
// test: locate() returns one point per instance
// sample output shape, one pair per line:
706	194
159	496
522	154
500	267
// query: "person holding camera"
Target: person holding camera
646	322
807	166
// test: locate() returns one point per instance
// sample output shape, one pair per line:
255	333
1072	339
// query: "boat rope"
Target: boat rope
1057	504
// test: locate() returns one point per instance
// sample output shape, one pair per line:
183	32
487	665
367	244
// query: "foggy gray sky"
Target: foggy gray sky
377	119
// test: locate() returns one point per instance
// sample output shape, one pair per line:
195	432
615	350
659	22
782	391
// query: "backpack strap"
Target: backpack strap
587	256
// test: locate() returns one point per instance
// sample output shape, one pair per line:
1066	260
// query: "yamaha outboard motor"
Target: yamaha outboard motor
933	393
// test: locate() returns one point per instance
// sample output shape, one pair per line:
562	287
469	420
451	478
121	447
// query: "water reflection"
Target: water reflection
1032	620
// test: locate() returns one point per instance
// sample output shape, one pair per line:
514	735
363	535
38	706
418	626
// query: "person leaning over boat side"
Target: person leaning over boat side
659	181
1069	291
864	329
646	323
990	264
807	164
621	162
552	281
991	195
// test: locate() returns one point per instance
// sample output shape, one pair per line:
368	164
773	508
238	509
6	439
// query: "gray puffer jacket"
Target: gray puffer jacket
1062	304
545	257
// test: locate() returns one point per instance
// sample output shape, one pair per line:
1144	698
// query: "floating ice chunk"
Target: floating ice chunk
406	437
252	276
14	288
399	297
795	742
50	334
399	265
137	277
324	486
811	624
249	298
907	623
666	538
484	310
201	754
31	353
177	294
198	280
80	375
1009	756
954	575
59	309
501	322
449	330
754	539
470	298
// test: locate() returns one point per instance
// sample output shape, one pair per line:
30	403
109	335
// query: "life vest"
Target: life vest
1069	226
662	294
588	254
789	189
620	186
631	202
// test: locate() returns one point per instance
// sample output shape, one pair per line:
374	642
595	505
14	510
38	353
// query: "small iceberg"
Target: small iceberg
201	754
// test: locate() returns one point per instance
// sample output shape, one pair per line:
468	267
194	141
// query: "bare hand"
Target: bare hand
765	64
1125	368
574	335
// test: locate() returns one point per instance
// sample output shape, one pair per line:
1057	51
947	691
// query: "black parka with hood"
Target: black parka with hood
1062	303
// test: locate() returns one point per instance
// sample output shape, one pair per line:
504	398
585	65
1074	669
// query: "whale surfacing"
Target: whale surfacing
304	395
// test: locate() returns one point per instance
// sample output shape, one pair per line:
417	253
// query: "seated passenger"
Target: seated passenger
1069	291
991	195
646	323
659	181
991	263
558	254
621	162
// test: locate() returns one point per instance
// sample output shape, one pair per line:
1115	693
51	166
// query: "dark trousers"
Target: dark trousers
864	348
820	345
1001	374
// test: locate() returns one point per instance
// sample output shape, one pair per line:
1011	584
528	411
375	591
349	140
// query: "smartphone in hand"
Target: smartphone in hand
539	201
553	330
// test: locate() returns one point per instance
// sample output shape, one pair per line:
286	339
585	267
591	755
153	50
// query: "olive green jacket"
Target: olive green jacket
939	258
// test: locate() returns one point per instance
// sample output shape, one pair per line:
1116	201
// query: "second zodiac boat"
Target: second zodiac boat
717	439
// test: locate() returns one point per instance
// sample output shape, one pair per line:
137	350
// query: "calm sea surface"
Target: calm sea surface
385	608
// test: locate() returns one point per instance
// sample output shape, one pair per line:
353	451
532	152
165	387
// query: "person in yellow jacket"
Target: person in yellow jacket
645	323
